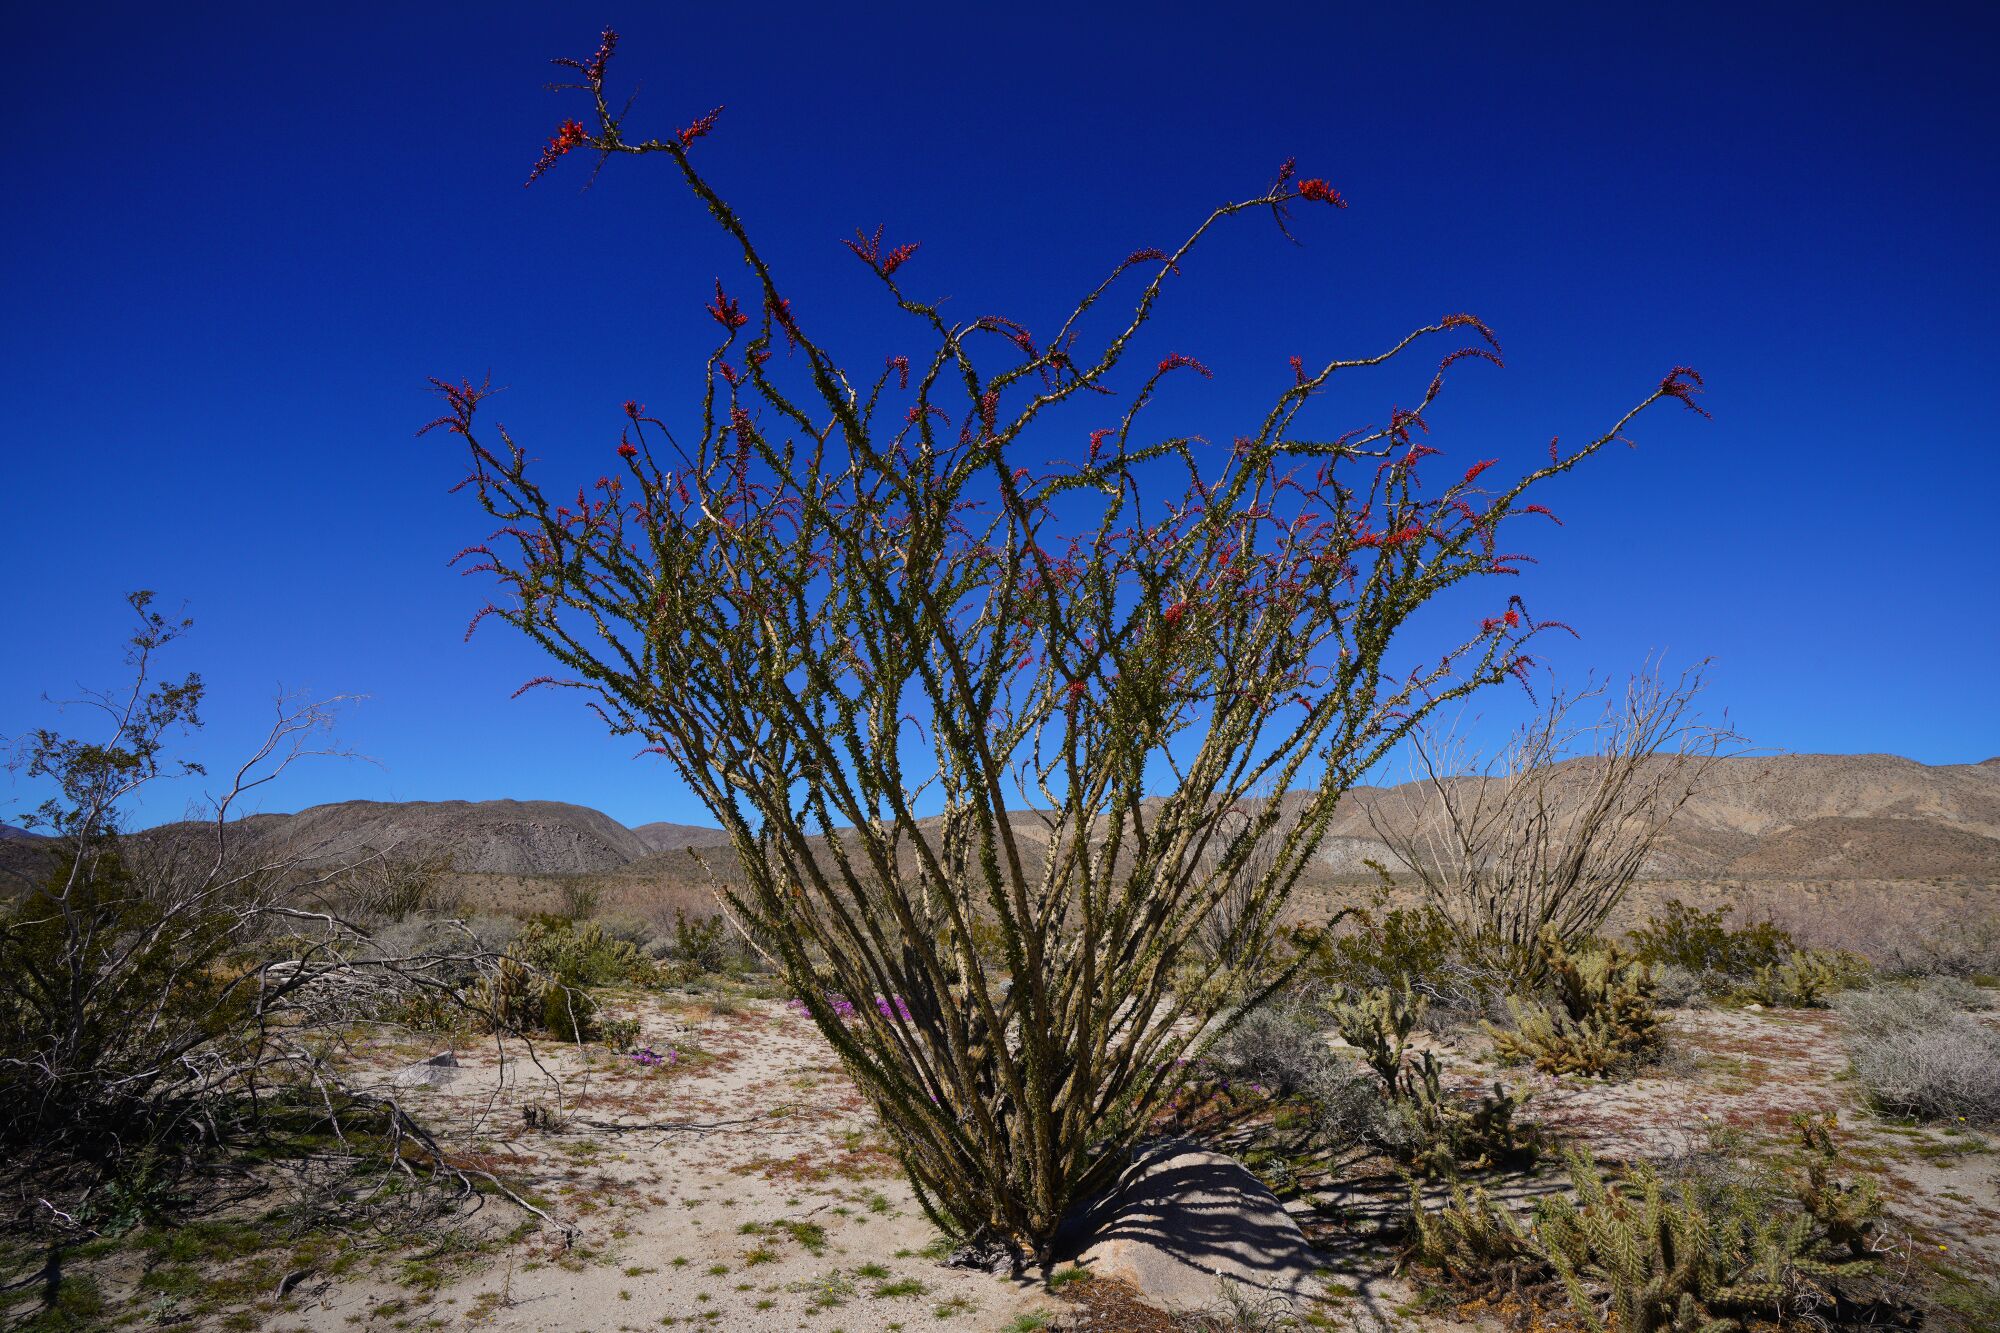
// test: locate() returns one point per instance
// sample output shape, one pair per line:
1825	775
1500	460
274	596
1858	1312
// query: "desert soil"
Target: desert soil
741	1184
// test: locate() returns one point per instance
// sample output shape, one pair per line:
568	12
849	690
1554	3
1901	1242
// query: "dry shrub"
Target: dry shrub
1920	1055
1547	838
1284	1047
1904	930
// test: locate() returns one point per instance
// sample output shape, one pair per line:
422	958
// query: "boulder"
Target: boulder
440	1069
1182	1221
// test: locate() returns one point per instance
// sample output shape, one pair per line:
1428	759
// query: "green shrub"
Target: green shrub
580	955
701	943
1602	1018
1417	947
1706	945
568	1013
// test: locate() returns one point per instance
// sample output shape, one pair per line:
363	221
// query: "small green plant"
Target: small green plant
701	943
1601	1021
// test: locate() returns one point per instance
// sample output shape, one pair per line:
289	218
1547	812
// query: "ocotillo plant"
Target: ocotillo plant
832	601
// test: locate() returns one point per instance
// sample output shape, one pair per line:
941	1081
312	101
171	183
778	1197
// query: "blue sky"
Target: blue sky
237	240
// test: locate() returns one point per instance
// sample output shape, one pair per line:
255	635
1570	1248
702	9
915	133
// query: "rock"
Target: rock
1182	1221
439	1069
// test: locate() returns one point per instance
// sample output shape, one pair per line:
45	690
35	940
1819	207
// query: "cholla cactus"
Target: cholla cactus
1671	1264
1379	1025
1602	1020
1847	1211
840	601
1637	1256
1469	1239
1807	979
1434	1131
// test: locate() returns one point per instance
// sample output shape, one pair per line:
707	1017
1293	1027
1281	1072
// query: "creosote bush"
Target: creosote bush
138	994
972	580
1415	947
1705	944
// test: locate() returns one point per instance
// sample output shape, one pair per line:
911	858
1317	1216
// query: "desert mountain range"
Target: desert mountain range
1790	817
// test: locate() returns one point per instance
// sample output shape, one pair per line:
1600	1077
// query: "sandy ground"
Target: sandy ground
739	1184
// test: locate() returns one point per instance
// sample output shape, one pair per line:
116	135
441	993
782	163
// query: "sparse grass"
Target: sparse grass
907	1286
826	1291
811	1236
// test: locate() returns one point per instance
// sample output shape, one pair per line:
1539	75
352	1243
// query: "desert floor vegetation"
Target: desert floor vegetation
453	1115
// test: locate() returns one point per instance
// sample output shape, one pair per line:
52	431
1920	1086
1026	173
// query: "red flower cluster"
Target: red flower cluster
1472	473
633	408
568	135
869	250
781	310
462	398
725	311
1176	360
1409	532
594	71
901	365
1299	370
625	450
1319	191
700	129
1683	382
1172	615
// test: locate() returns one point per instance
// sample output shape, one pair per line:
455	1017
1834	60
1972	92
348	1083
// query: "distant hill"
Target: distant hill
673	837
482	837
1808	816
1789	817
